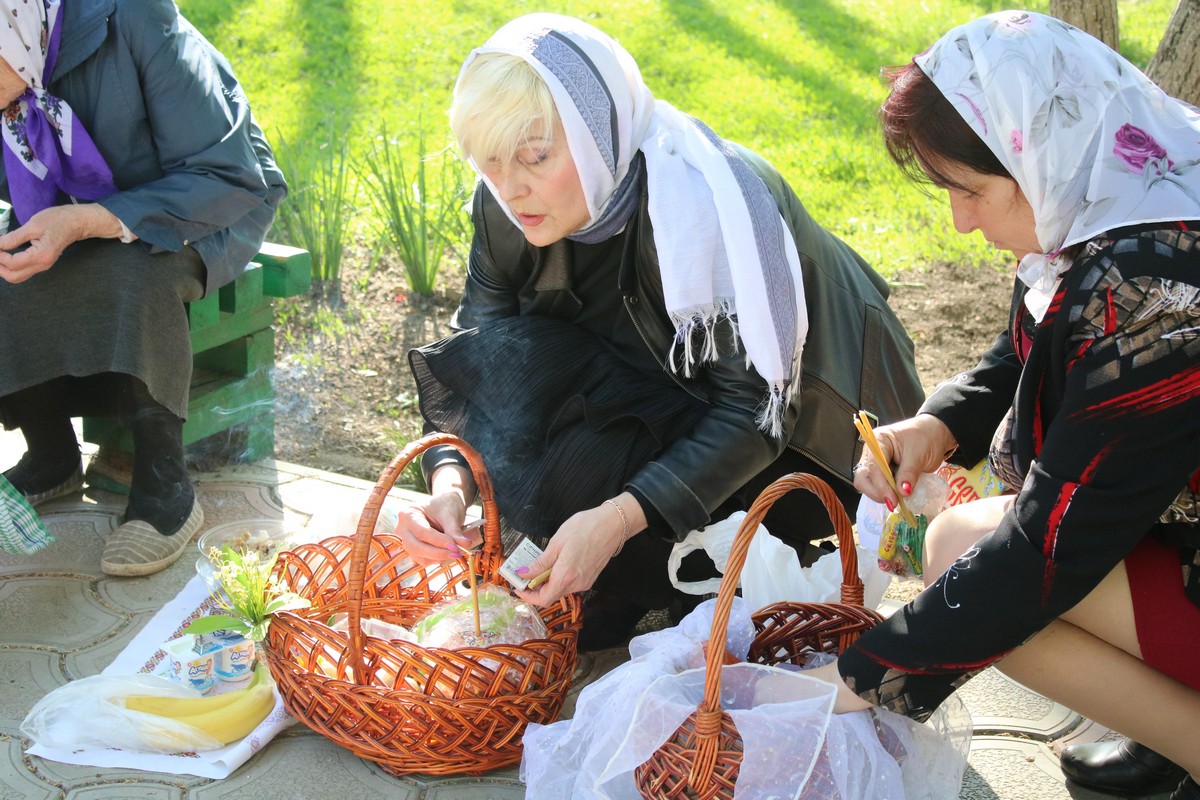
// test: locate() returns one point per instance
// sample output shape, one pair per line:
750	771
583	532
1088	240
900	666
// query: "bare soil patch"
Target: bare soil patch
346	400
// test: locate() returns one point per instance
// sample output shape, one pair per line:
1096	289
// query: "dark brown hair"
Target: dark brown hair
925	135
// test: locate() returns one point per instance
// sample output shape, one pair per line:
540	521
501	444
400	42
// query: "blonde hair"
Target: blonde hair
499	102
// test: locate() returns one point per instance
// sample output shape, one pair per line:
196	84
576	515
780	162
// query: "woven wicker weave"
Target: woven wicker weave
702	759
410	708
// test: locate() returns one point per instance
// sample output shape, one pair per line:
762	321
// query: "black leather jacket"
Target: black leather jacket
857	353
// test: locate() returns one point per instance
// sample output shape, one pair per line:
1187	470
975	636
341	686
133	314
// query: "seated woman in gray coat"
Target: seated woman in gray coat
653	328
138	181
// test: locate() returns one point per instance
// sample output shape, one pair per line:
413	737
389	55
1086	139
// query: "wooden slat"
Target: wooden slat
287	271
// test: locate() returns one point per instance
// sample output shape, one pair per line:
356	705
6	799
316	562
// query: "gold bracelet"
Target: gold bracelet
624	526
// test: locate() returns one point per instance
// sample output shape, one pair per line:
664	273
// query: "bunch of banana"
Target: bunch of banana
225	717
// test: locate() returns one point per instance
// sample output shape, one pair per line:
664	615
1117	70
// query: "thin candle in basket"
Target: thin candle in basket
472	566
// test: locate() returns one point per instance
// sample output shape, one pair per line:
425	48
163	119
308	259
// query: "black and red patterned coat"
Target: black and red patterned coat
1096	416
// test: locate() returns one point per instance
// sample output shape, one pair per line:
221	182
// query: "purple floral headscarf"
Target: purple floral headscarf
46	149
1091	141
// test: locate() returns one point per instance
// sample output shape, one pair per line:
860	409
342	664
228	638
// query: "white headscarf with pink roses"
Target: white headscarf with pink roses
1091	141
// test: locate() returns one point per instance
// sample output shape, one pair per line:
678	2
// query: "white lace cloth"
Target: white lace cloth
793	744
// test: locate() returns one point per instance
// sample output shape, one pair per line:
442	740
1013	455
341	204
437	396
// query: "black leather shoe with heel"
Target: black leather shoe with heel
1188	790
1121	767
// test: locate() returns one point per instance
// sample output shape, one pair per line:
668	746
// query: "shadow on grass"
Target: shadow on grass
331	31
844	35
329	93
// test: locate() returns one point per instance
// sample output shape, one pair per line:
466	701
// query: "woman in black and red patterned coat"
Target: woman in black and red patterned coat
1083	584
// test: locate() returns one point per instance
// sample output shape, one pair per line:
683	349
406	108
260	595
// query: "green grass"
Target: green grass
797	81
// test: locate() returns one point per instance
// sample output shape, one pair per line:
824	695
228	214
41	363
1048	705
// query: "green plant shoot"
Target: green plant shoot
247	595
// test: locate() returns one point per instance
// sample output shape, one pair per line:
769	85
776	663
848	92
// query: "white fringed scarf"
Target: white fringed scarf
723	248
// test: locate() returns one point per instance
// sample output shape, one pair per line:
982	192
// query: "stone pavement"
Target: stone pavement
61	619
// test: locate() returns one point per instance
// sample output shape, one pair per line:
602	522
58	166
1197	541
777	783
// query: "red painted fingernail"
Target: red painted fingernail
906	487
522	570
890	505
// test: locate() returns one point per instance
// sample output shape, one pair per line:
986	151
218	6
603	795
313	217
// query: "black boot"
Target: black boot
1123	767
50	467
161	493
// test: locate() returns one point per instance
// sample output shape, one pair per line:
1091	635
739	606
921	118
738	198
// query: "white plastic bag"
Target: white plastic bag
91	712
868	524
716	540
772	572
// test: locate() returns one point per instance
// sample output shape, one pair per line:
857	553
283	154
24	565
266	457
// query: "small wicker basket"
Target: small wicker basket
407	707
702	758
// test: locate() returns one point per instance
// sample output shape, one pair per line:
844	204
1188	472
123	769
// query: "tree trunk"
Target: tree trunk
1176	64
1097	17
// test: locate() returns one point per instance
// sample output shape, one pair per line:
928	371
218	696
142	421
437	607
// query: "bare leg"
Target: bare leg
1088	660
952	532
1099	673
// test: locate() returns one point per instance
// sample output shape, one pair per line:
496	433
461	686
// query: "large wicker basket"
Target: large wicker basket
407	707
703	757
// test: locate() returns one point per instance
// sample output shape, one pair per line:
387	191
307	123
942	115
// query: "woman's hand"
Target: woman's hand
433	531
582	547
845	700
48	233
914	446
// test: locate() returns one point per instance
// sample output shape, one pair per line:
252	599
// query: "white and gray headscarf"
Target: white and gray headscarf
1093	144
722	245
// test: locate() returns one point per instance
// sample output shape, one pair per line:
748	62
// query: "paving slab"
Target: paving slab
61	619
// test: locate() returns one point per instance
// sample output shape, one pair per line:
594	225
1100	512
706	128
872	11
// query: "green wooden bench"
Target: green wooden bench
233	356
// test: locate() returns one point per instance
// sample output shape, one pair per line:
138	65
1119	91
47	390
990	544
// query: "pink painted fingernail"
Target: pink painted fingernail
906	487
890	505
522	570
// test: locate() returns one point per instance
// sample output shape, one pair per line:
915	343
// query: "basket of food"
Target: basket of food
458	707
702	759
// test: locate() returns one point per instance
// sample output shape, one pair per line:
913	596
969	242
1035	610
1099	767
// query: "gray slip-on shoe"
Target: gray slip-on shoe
136	548
71	485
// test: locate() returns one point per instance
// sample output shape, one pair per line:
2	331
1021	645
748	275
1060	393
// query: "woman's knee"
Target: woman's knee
952	532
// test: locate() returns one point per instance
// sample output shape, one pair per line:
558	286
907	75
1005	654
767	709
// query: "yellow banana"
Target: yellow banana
180	706
175	707
230	723
225	717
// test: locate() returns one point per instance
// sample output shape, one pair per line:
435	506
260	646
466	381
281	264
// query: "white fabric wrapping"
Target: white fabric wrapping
144	655
793	744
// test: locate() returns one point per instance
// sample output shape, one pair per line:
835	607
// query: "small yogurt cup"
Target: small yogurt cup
185	665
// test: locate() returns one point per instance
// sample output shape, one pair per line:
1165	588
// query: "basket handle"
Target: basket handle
366	528
852	586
